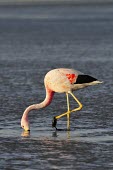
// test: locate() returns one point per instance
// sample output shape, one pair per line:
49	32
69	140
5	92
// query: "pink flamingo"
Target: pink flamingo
60	80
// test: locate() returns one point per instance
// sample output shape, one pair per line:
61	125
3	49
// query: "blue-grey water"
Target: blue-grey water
34	40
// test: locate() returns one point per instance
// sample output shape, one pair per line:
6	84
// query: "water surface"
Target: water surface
34	40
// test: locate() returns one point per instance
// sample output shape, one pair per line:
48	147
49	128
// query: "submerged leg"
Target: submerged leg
68	111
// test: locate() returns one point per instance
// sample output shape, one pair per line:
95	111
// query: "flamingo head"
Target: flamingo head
25	123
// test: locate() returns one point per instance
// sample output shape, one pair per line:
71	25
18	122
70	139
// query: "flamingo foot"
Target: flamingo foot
54	122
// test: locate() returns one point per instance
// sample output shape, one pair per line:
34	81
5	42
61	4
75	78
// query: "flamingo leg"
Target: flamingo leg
68	107
54	122
80	104
69	111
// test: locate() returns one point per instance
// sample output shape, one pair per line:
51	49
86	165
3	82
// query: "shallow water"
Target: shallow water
34	40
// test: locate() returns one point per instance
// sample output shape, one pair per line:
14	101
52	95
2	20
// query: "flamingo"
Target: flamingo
61	80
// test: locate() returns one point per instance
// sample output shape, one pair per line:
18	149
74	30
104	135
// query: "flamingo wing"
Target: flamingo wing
85	79
77	77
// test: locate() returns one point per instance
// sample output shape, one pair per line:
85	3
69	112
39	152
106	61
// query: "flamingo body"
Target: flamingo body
60	80
64	80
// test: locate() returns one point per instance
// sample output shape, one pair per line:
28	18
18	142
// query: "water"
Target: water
34	40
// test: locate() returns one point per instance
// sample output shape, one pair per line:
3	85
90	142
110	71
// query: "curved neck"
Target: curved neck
46	102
